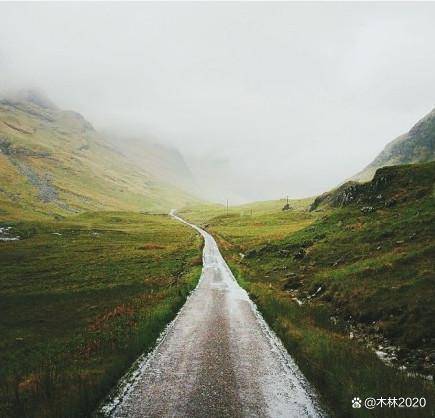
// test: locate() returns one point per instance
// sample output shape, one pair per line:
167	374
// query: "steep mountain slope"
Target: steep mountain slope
53	162
161	161
416	146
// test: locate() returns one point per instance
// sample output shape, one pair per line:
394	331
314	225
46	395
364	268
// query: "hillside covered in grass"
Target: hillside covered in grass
90	275
54	163
352	277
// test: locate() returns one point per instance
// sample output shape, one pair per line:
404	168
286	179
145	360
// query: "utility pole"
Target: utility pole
227	206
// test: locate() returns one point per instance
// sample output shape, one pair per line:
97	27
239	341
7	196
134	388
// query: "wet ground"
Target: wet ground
218	358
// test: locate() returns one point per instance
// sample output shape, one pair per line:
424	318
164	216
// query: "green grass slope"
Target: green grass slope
53	163
340	281
80	300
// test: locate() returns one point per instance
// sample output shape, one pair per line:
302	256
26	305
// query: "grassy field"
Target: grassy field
317	275
81	298
201	213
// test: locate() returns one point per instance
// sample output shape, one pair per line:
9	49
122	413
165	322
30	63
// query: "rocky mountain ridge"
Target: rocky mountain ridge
416	146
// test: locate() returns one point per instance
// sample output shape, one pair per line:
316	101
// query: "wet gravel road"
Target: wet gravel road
218	358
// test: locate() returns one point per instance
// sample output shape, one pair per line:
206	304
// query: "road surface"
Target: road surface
218	358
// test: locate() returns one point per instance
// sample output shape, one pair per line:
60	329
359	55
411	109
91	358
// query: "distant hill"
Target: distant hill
54	163
161	161
416	146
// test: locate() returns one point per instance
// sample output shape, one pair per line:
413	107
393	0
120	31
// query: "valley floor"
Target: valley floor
218	358
336	285
81	298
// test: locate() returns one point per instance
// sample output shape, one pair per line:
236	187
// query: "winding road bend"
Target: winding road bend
218	358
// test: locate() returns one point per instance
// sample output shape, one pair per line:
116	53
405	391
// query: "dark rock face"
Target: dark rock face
300	254
390	202
292	283
43	183
7	148
256	252
342	196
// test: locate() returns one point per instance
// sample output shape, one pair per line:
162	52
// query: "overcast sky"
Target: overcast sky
277	98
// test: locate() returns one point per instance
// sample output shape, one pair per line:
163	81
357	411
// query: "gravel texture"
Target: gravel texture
218	358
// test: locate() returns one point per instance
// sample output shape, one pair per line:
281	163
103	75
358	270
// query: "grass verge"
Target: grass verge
335	365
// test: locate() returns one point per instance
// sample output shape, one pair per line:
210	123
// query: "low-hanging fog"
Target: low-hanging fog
262	99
